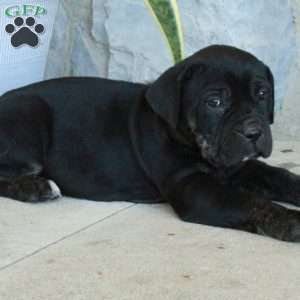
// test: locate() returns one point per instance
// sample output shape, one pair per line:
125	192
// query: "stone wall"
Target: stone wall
121	40
287	123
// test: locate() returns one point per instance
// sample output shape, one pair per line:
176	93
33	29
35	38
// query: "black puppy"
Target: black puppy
191	138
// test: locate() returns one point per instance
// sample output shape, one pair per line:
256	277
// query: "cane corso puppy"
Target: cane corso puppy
191	138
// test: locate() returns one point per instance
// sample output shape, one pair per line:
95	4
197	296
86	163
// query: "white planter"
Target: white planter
25	32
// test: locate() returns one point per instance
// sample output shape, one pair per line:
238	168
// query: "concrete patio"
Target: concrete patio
78	249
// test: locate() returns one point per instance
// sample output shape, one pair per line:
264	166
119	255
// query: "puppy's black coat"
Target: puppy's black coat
191	138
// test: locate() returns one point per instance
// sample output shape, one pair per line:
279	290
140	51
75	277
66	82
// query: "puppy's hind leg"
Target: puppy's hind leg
25	135
29	188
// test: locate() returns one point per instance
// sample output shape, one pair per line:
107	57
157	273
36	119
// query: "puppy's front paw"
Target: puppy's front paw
295	188
290	189
279	222
292	233
33	189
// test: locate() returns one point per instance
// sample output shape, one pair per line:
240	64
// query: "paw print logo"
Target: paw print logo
24	32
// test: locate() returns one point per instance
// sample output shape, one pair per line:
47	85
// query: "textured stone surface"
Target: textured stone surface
241	23
99	15
121	40
85	57
57	62
287	121
137	47
264	28
74	50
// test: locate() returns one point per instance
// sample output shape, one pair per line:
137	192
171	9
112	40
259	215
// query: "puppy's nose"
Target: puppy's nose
252	130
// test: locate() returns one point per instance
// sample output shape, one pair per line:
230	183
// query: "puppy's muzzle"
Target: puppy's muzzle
252	130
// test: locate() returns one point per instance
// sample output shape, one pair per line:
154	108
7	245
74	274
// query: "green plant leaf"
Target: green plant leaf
166	13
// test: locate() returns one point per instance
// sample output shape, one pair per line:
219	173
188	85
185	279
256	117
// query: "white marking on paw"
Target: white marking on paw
55	189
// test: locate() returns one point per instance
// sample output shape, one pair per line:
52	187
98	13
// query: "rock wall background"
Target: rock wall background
121	40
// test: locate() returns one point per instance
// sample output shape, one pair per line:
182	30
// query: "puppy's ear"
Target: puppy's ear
271	105
164	95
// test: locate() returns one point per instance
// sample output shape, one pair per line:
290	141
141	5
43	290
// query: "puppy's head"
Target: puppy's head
221	99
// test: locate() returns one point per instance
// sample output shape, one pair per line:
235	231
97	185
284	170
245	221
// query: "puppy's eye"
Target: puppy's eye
262	93
214	102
